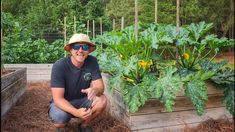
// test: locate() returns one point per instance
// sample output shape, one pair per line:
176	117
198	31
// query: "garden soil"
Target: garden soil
30	115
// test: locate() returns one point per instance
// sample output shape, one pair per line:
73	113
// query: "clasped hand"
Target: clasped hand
83	113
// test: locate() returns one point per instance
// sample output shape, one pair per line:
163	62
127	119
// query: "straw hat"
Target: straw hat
80	38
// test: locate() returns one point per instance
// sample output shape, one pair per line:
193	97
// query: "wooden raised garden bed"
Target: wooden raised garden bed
13	86
152	117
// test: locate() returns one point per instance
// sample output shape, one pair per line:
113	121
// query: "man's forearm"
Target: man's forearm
100	90
65	105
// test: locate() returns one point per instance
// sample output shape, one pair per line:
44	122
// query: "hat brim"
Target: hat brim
92	46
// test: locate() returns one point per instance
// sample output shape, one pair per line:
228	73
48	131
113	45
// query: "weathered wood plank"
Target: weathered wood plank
11	94
39	71
183	103
177	128
37	77
8	79
5	106
165	119
116	106
210	88
13	88
30	65
35	72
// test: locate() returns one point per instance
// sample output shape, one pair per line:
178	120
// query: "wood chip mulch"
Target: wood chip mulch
30	115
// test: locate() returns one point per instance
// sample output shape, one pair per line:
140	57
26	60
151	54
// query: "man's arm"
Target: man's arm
98	85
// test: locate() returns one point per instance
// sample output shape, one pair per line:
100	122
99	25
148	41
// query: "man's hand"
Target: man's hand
82	113
91	93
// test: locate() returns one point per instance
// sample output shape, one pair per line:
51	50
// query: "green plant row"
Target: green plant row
20	46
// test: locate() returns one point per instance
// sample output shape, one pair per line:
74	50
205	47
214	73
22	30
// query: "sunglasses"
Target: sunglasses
78	46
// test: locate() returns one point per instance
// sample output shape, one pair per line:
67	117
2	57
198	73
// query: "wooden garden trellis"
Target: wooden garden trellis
136	20
122	23
177	27
65	35
155	11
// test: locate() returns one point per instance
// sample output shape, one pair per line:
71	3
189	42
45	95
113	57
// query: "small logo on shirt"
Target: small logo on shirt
87	76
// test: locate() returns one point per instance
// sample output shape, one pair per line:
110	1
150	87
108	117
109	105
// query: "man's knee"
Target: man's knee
101	103
58	116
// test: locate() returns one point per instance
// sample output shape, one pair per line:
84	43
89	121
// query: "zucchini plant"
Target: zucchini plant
136	68
195	44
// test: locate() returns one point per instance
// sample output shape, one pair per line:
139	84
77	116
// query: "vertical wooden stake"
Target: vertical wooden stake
93	29
155	11
122	23
113	24
65	35
177	15
101	30
87	29
177	28
232	15
136	20
74	27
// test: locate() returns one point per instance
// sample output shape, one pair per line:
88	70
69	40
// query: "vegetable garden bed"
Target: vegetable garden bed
13	85
154	117
167	70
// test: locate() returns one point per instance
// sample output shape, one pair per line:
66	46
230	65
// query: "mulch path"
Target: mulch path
30	115
210	125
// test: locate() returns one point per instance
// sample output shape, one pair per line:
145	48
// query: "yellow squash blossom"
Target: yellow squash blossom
145	64
186	56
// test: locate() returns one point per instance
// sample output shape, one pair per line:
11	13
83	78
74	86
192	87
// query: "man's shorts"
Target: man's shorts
59	116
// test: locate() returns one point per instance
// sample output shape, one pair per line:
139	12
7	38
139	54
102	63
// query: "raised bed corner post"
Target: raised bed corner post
64	35
177	29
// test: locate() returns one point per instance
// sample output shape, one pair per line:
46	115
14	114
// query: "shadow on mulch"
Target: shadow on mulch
30	115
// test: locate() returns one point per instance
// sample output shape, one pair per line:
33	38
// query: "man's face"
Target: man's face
79	52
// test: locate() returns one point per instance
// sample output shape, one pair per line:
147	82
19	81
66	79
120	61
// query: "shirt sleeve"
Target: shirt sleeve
96	73
57	75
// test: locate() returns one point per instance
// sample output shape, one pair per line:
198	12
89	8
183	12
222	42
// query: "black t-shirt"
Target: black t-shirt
65	75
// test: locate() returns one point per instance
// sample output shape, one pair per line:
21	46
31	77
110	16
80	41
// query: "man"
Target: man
76	85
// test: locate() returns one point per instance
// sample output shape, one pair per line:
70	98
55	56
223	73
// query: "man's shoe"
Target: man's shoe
84	128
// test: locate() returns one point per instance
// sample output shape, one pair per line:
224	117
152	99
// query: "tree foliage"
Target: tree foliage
33	13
